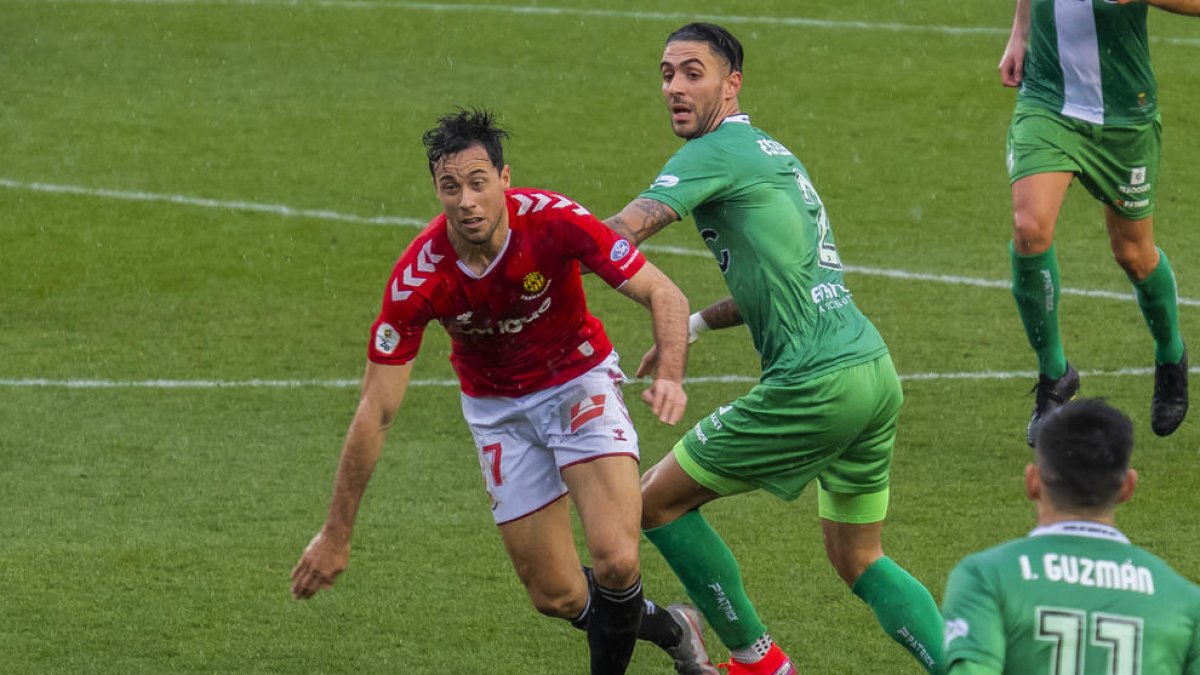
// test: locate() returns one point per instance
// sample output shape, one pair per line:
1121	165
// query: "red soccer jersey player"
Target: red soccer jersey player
500	270
522	325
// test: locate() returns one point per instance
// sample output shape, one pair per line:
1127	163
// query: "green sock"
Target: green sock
1035	286
1157	295
709	573
905	610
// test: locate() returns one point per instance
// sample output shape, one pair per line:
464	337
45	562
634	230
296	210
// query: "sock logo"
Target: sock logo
723	602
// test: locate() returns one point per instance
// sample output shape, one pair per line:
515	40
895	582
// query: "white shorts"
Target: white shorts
524	443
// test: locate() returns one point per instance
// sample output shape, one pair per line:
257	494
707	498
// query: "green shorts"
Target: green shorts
838	428
1118	165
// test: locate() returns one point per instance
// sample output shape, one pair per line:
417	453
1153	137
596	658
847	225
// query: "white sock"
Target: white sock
755	652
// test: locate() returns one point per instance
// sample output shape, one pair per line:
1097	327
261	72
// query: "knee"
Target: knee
655	515
850	563
559	602
1031	233
616	569
1137	261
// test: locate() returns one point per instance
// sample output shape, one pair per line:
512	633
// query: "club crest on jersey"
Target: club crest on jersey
619	250
533	282
386	339
583	411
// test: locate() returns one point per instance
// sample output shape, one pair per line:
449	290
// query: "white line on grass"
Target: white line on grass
732	19
34	383
275	209
290	212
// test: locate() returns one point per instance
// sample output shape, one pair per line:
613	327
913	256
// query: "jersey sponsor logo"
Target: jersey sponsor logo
386	339
425	264
956	628
1083	571
665	180
619	250
586	410
828	297
539	201
505	326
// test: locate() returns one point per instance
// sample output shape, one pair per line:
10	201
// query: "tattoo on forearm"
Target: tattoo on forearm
640	219
617	224
655	214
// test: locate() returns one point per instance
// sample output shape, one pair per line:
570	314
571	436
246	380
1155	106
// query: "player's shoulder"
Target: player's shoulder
425	262
538	205
1181	586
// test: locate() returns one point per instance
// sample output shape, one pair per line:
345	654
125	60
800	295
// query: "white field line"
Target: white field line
291	212
44	383
676	17
275	209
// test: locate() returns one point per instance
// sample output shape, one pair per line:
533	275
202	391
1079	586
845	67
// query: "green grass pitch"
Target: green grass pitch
151	529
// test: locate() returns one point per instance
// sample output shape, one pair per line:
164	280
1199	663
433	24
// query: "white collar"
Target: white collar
1081	528
740	118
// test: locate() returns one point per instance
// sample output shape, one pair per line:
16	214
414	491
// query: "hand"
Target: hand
649	362
1012	64
323	560
666	400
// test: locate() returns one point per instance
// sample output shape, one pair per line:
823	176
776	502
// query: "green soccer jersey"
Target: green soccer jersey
759	214
1072	598
1090	59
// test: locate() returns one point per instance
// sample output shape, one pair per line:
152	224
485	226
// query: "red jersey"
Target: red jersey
521	326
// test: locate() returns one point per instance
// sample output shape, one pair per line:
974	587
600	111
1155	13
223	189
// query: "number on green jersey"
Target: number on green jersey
1121	635
827	255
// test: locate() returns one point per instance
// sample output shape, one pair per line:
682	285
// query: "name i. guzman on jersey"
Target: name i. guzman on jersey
1084	571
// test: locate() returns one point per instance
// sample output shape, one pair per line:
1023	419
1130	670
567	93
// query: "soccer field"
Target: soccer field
201	202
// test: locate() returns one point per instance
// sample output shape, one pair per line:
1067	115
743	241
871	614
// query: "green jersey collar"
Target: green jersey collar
1081	528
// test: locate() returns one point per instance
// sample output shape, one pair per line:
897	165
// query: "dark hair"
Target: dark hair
463	129
721	42
1083	451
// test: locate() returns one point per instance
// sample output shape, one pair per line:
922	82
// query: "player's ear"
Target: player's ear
733	85
1128	485
1033	482
506	177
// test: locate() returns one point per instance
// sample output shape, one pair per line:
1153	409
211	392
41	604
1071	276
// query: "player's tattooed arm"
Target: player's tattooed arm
722	314
641	218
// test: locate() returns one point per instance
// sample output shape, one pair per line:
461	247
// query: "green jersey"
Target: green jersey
1072	598
1090	59
759	214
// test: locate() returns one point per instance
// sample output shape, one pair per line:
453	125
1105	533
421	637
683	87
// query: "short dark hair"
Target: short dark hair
721	42
1083	451
462	129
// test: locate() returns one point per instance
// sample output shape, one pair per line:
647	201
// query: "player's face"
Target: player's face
472	194
699	88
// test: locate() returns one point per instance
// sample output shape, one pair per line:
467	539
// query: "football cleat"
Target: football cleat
774	663
1170	403
1050	395
691	658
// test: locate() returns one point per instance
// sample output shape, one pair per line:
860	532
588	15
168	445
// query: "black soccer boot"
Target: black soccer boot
1170	403
1050	395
